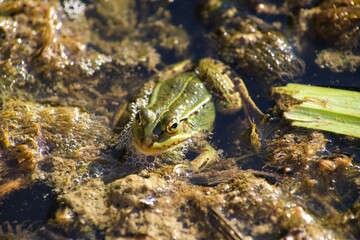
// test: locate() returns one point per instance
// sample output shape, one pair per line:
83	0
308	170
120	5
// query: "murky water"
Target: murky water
66	68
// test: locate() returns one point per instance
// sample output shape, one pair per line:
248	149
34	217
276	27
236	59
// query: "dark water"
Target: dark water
32	207
29	207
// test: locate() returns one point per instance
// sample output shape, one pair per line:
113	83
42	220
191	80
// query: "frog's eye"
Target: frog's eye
173	126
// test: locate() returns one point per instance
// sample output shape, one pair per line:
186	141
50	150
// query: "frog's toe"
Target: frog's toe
183	169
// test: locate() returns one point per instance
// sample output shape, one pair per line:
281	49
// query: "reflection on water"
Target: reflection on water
69	67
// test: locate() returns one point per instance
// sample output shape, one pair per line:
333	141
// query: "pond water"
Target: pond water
67	67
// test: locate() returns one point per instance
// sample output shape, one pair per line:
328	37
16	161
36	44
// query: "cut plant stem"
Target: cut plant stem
323	108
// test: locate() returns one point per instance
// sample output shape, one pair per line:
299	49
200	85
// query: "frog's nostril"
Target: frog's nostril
155	138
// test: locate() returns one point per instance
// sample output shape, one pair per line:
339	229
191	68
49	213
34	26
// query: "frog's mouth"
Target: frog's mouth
159	144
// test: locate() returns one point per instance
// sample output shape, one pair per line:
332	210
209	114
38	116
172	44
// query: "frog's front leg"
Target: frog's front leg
207	156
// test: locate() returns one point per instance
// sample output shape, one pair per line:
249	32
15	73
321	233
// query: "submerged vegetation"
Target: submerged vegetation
68	69
255	47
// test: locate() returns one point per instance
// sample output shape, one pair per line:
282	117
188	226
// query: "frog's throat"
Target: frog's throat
161	147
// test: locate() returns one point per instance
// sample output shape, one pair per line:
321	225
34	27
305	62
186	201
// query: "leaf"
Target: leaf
323	108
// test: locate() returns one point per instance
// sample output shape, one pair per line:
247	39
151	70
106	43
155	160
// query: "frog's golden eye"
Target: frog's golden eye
173	126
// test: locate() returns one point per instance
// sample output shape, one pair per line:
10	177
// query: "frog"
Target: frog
175	112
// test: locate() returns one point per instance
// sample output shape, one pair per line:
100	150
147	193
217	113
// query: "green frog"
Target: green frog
175	112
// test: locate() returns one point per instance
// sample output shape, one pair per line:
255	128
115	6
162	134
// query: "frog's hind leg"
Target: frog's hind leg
250	108
216	76
229	89
207	156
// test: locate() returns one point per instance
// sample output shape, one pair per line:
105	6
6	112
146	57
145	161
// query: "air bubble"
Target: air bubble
150	158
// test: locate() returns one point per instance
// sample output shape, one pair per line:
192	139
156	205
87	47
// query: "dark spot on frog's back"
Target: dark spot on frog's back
226	70
237	80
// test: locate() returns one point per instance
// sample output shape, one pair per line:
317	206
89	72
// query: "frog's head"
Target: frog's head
154	133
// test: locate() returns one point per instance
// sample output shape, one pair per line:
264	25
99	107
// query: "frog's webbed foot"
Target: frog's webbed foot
208	155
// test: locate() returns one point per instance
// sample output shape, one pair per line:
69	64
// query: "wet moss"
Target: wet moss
249	43
295	150
265	211
331	24
116	19
66	63
336	22
63	74
338	61
33	134
261	50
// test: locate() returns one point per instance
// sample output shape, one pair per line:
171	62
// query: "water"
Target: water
33	207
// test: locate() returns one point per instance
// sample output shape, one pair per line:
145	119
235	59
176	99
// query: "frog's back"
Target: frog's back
180	95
